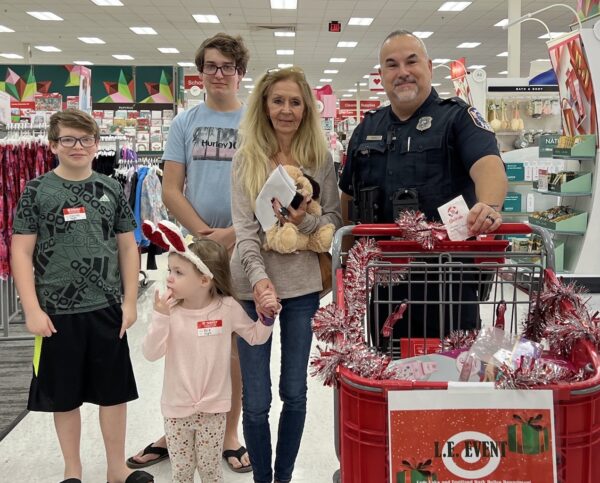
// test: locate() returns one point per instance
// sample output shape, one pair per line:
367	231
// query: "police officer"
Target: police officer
421	150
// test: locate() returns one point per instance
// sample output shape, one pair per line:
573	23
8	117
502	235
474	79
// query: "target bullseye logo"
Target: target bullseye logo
467	449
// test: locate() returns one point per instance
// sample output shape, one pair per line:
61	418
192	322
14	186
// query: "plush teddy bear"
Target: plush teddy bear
287	238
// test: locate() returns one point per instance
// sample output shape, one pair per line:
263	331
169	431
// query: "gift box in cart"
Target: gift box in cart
405	287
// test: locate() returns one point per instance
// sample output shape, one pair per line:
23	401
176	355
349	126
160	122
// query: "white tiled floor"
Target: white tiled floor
30	453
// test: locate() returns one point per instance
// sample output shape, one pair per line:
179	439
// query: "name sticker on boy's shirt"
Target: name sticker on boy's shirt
73	214
209	327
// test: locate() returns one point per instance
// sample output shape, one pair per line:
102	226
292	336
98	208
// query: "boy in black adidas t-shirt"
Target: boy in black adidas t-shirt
75	264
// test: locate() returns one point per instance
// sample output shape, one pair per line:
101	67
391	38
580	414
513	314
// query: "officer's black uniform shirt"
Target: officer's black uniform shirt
432	152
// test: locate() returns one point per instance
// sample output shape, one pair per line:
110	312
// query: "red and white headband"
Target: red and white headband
168	236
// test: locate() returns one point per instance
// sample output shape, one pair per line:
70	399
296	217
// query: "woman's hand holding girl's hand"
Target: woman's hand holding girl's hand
165	302
269	303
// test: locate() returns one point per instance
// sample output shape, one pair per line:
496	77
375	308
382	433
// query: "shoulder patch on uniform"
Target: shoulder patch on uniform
479	120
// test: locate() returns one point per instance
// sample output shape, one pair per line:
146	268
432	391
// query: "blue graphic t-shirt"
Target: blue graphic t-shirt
205	141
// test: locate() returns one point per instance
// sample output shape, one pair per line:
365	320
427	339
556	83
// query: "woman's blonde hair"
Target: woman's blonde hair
258	140
216	258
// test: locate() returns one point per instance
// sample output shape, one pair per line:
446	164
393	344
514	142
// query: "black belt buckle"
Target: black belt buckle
405	199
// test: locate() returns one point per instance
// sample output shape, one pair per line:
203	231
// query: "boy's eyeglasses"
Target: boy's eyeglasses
70	141
226	70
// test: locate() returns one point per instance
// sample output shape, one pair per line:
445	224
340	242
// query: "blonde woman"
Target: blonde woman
281	126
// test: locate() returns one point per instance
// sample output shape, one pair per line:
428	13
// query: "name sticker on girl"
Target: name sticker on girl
209	327
73	214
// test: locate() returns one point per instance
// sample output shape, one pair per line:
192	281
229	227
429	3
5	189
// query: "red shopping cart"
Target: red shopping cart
497	277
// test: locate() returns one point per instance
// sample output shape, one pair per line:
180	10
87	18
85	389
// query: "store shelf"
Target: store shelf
558	232
515	213
561	194
507	133
523	183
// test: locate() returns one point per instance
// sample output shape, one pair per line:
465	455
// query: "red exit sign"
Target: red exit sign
335	26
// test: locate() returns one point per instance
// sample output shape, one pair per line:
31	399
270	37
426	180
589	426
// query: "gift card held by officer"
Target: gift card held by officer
422	151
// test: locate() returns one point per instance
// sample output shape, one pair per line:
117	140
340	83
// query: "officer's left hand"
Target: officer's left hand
483	218
289	214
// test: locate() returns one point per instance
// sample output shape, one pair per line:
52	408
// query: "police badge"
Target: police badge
424	123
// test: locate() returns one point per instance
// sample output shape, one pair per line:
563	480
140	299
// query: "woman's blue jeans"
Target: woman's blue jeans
296	337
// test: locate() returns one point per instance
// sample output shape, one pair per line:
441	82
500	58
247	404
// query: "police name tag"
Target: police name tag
454	216
209	327
74	214
373	137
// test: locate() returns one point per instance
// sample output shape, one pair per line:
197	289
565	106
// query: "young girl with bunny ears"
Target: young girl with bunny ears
191	327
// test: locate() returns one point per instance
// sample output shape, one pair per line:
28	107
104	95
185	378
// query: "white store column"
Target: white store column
514	40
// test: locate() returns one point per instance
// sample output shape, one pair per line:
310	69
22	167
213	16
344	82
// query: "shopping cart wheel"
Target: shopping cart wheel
337	477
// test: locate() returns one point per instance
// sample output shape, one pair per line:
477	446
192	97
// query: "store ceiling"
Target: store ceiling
313	45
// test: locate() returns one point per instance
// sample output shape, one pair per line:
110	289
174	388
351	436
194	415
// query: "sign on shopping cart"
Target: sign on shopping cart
487	436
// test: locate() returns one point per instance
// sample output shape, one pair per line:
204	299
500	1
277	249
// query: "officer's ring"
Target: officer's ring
489	217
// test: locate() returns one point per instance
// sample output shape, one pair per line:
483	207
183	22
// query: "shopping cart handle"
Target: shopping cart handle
391	229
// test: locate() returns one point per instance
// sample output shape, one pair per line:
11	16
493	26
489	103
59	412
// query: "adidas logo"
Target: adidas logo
104	198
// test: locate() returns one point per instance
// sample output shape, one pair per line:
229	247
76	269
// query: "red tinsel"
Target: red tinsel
539	373
330	323
459	339
414	226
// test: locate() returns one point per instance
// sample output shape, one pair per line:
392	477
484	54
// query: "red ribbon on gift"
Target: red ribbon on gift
423	466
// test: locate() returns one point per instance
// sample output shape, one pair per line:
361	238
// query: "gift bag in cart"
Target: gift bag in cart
398	289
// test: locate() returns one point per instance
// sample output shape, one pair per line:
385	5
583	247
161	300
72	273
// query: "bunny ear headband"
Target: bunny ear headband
168	236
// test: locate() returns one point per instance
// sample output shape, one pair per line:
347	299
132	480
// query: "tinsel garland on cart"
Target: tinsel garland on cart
558	315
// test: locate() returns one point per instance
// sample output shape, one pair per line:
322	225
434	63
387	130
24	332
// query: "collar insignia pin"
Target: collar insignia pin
424	123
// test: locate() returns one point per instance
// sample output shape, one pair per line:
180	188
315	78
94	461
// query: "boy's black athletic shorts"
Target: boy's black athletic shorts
84	361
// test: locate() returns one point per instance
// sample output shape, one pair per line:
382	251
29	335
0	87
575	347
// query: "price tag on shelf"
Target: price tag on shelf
543	179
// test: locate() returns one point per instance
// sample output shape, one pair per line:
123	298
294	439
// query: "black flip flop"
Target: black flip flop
71	480
236	453
140	477
162	453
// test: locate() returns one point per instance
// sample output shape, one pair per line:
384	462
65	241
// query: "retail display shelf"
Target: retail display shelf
524	183
515	213
561	194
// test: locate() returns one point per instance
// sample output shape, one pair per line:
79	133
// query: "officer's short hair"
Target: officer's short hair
397	33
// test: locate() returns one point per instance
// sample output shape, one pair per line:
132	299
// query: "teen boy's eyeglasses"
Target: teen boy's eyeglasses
226	70
70	141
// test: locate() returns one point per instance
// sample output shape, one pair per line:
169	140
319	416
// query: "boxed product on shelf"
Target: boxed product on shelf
512	202
515	171
561	218
579	147
569	182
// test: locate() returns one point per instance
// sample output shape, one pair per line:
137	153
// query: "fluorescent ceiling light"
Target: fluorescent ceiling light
45	16
284	34
476	66
247	79
381	93
502	54
363	21
347	95
351	90
284	51
503	72
374	97
347	44
108	3
168	50
362	84
91	40
186	64
284	4
330	71
5	29
468	45
337	59
249	86
318	87
502	23
542	60
284	66
206	18
143	30
448	77
423	35
325	80
83	62
443	93
454	6
47	48
436	84
11	56
122	57
440	61
551	35
366	76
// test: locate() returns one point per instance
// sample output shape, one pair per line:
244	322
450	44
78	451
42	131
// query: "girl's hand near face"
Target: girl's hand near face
165	302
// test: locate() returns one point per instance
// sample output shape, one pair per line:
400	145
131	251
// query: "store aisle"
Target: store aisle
30	453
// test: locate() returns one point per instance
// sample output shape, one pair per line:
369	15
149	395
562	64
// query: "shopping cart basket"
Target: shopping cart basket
500	278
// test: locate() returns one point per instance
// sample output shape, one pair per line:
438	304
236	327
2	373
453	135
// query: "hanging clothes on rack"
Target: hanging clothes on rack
24	155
